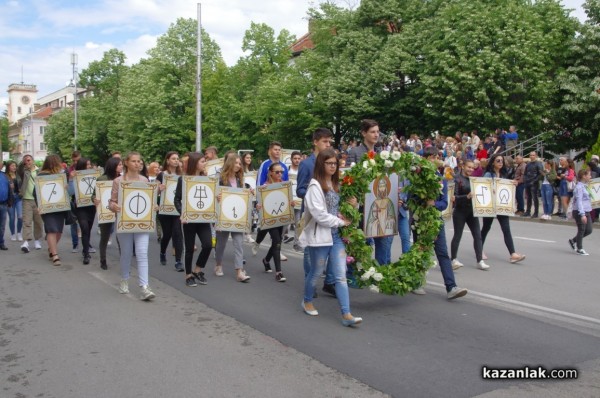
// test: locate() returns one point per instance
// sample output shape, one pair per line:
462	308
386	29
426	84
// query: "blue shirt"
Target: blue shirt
4	187
263	172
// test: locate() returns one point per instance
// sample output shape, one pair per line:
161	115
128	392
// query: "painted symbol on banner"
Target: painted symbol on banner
106	199
87	185
137	204
276	203
483	196
200	197
52	192
504	196
234	207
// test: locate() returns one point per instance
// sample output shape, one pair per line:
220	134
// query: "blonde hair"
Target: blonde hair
228	172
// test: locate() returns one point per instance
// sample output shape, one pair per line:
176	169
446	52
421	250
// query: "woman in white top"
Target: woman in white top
132	166
322	237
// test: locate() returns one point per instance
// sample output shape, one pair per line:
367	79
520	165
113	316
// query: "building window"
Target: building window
19	110
42	130
42	146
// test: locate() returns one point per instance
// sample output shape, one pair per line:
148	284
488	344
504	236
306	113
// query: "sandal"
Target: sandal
516	258
55	260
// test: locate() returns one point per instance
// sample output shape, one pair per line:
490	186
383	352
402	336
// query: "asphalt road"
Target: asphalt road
543	312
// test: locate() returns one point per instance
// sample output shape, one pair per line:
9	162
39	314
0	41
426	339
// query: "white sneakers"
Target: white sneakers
13	238
25	247
255	247
37	245
419	291
456	292
249	238
456	264
146	294
124	286
20	237
282	257
483	266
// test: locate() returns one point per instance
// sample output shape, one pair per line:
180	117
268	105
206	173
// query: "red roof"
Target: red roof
302	44
44	113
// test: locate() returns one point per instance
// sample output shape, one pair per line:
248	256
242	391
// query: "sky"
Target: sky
38	36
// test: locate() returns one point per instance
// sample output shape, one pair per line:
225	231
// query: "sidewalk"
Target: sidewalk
67	332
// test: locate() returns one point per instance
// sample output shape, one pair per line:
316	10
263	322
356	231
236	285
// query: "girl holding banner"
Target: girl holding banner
112	170
132	166
85	214
496	169
196	166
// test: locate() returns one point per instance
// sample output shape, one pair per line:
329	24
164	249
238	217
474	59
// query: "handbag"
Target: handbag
571	185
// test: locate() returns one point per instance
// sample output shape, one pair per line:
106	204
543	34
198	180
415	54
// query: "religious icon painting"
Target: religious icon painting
213	167
51	193
85	183
103	193
275	201
198	204
381	207
504	194
447	213
136	200
167	196
234	211
594	190
293	178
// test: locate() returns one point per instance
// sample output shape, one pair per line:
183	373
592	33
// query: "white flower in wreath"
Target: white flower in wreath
377	276
413	168
374	288
396	155
365	276
372	161
352	164
365	164
385	155
359	266
388	163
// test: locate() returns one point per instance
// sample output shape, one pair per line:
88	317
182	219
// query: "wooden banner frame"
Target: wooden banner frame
293	178
213	167
275	200
136	200
84	183
594	191
228	217
51	193
103	193
203	208
167	196
374	206
250	179
493	196
447	213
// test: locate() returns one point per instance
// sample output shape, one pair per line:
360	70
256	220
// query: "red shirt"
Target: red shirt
482	154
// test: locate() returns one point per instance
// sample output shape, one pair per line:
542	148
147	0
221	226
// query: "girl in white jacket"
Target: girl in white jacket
322	237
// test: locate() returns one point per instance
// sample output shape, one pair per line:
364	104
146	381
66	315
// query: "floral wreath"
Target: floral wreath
408	272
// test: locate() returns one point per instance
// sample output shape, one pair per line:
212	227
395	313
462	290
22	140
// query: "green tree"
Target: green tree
157	98
578	111
59	133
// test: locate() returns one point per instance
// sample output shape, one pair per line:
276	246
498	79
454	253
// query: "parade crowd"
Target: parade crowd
554	182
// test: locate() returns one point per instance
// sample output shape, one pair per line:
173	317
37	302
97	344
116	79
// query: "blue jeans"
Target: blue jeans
3	217
336	256
404	232
140	239
74	237
383	249
329	277
520	194
548	198
16	212
441	252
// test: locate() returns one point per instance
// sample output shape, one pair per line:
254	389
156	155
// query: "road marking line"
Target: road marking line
535	240
102	276
522	304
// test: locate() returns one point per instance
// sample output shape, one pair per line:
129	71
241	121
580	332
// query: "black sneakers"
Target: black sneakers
200	278
191	282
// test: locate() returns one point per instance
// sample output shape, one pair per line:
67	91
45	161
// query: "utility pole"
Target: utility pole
199	83
74	63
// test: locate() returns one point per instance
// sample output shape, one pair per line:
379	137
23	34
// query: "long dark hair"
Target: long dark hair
52	164
192	163
110	168
81	164
321	176
166	163
490	167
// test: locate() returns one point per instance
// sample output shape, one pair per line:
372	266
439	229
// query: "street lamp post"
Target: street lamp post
74	63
